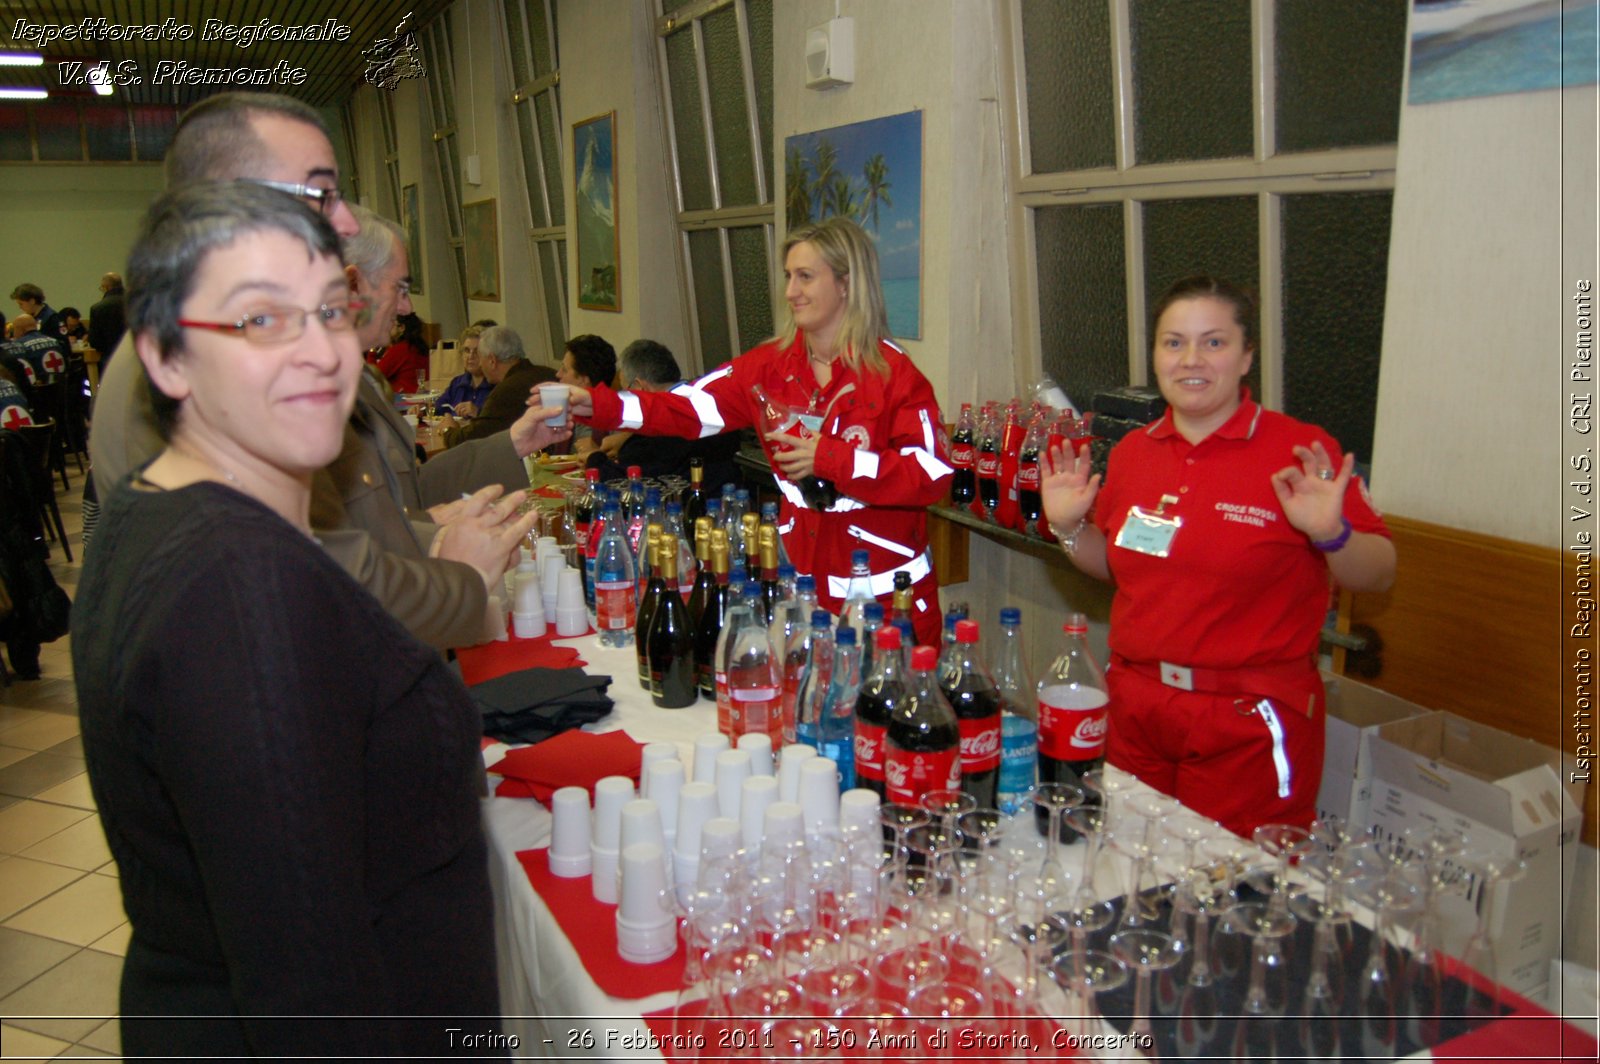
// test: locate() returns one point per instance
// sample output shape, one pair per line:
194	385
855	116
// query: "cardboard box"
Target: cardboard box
1510	796
1355	712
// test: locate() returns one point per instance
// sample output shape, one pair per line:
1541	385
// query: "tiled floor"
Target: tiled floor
62	929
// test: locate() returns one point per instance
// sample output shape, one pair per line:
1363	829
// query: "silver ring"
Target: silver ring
1324	474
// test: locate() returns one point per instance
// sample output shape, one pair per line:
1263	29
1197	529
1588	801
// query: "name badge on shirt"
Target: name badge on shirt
812	422
1150	531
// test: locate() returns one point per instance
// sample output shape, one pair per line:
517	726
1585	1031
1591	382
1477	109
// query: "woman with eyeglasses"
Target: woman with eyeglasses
287	779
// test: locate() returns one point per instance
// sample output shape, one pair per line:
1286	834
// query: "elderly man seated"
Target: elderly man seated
32	355
505	364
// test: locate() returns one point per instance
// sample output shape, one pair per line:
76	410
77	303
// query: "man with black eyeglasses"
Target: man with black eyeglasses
282	143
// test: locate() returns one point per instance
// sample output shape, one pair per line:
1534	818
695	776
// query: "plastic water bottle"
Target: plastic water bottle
1019	729
837	734
755	686
812	695
857	593
615	586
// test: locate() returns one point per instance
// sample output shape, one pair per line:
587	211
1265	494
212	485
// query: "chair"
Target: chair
49	401
40	441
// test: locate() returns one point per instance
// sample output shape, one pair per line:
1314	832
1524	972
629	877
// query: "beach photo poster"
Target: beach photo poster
412	214
870	172
1464	48
595	185
482	238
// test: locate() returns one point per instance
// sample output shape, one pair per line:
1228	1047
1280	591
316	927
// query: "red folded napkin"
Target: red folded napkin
572	759
489	660
591	926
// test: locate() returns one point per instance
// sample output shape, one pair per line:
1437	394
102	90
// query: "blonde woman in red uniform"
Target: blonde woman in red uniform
1221	524
872	425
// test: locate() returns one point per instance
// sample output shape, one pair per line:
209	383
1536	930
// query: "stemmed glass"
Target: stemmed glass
776	912
1332	862
898	818
1146	951
1086	974
1265	1001
1422	980
1035	928
947	804
1287	843
1390	893
1490	870
1110	784
1200	897
906	958
1054	799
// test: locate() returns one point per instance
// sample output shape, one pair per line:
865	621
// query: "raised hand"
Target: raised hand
1066	486
485	533
1312	491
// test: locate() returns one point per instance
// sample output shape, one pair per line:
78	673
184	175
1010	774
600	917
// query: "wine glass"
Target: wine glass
1086	974
947	804
1390	893
898	818
1054	799
1490	870
1145	951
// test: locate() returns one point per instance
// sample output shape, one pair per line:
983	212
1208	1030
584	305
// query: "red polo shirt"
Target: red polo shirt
1241	586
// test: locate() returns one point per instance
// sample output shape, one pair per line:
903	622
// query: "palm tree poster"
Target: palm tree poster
593	141
870	172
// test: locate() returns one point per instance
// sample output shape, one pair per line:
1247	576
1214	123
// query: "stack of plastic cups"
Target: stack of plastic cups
570	855
795	755
759	746
646	931
641	823
550	569
610	795
652	753
571	616
756	795
527	602
860	828
706	749
733	768
663	781
819	796
697	805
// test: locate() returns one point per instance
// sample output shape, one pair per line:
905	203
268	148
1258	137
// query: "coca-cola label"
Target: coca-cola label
963	455
1028	476
988	465
909	774
980	743
869	751
1073	733
614	604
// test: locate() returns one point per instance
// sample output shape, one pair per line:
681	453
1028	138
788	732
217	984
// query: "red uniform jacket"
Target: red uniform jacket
882	444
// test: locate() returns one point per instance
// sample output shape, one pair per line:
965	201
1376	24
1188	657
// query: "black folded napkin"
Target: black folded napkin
532	705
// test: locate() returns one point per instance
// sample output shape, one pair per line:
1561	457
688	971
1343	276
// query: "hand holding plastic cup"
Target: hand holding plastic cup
554	395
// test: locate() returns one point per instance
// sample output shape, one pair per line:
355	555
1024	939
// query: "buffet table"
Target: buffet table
555	1008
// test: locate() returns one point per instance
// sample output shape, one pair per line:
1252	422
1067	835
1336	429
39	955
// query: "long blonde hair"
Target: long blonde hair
850	254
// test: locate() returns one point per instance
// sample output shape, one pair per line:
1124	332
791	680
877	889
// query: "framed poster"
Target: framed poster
870	172
481	237
411	216
595	187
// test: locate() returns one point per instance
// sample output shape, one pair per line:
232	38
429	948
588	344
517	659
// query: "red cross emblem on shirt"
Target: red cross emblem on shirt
53	362
27	371
15	417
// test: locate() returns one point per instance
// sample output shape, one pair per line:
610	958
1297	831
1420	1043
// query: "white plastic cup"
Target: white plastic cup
646	931
610	795
550	569
652	753
760	746
733	768
545	547
819	794
641	822
530	625
664	780
571	621
795	755
603	871
555	395
858	812
706	749
569	590
720	837
756	795
784	825
570	857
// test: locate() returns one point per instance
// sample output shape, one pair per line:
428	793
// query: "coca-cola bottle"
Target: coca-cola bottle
778	416
922	745
988	467
964	457
881	692
971	693
1010	452
1072	714
671	639
1029	502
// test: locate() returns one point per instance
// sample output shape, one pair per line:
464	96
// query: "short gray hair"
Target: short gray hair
502	344
180	230
216	140
375	243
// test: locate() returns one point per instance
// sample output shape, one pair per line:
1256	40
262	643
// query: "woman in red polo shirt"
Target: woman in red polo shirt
1220	524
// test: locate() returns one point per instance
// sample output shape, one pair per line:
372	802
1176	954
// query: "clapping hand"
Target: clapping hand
484	531
1066	487
1312	492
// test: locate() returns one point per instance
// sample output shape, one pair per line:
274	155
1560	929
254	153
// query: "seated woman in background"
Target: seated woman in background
404	363
287	778
466	394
